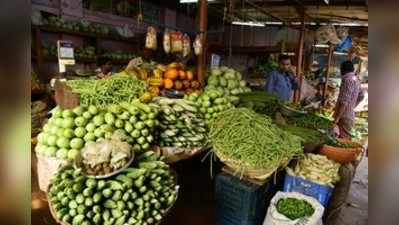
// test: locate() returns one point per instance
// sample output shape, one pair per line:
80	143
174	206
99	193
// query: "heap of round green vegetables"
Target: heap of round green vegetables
67	131
141	195
211	103
252	139
113	90
181	124
228	81
294	208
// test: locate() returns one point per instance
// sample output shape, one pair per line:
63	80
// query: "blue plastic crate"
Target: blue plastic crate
296	184
239	202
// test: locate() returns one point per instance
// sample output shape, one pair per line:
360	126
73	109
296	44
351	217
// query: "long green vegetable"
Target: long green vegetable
101	93
311	121
305	133
294	208
252	139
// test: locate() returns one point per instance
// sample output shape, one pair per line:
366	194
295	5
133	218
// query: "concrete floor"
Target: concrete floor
196	202
355	211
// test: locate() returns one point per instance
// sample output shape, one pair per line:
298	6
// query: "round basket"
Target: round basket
246	171
342	155
167	211
79	162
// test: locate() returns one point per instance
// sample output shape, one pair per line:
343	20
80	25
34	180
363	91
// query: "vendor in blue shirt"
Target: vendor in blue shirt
282	82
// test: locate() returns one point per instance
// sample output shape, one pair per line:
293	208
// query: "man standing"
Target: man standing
282	82
349	96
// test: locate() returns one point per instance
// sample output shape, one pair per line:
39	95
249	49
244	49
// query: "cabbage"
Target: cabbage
213	80
63	142
223	82
230	76
243	83
80	132
69	133
231	84
62	153
235	91
78	110
72	153
216	72
80	121
98	120
76	143
67	113
52	140
238	75
68	122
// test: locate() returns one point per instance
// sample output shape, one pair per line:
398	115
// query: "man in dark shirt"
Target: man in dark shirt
282	82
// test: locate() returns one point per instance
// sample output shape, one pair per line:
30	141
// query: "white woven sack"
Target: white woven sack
275	218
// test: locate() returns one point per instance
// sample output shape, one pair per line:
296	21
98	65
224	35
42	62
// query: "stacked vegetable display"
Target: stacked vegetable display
67	131
211	103
252	140
141	194
228	81
101	93
318	169
181	125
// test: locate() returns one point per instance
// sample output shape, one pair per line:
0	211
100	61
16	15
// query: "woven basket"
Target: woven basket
167	211
242	171
46	168
173	154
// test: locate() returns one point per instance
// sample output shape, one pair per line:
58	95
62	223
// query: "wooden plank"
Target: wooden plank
202	27
299	69
330	57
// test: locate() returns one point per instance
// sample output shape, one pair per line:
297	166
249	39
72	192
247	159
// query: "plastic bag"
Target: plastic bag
197	45
273	217
176	39
151	38
186	45
327	34
166	41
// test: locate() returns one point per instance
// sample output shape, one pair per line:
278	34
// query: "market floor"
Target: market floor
355	211
195	204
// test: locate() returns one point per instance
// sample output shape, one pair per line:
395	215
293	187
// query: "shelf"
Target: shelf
84	34
79	60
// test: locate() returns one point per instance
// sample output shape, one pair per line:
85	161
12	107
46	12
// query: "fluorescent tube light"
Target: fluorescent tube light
273	23
250	23
321	46
193	1
340	53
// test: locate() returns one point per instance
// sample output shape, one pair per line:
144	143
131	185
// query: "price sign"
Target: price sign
65	54
215	60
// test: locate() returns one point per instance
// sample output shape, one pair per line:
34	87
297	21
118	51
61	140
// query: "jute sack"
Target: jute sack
273	217
46	167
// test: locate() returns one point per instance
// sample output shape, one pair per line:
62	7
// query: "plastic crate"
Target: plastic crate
296	184
239	202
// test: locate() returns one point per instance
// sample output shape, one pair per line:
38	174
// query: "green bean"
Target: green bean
252	139
113	90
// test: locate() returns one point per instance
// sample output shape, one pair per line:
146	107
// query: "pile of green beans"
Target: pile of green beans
113	90
252	139
294	208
